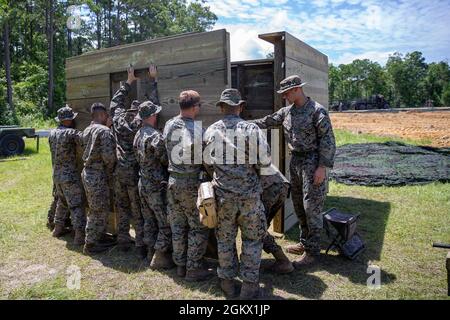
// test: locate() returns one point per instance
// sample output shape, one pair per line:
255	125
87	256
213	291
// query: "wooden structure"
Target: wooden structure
201	62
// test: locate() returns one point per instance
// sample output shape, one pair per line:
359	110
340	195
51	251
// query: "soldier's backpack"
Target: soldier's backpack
341	229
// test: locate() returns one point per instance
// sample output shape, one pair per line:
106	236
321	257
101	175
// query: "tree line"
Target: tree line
405	81
38	35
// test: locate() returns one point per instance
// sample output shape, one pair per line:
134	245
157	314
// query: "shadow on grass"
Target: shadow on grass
371	226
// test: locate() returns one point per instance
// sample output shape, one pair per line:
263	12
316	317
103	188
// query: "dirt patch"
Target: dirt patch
433	126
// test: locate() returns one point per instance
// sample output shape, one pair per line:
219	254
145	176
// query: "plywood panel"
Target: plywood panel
165	52
88	87
305	54
83	107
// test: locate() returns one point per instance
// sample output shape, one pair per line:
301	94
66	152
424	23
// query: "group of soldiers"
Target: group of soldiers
129	164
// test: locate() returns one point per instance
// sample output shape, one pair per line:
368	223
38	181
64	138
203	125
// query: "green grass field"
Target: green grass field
398	225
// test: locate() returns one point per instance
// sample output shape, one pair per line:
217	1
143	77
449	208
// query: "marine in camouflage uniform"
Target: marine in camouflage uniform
309	135
152	158
238	194
99	159
63	143
126	192
276	189
189	236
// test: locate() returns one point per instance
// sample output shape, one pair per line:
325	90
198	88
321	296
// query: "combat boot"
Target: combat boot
305	260
297	248
249	290
199	274
181	271
143	252
50	225
282	264
60	230
162	260
93	248
229	288
107	239
79	238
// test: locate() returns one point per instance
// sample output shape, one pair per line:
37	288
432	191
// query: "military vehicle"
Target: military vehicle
11	139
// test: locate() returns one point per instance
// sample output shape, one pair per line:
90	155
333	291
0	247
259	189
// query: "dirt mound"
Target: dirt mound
433	126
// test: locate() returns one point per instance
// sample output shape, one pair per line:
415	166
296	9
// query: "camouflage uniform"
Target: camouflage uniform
63	143
152	158
52	210
189	236
126	192
99	161
275	191
238	195
310	138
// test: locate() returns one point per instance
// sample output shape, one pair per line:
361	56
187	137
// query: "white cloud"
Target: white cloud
341	29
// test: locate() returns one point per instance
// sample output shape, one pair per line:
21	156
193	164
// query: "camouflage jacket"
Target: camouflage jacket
306	129
238	173
152	157
124	128
183	141
99	149
272	178
63	146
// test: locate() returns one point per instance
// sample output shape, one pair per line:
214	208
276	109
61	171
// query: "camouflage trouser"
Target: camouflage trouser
308	200
273	199
157	233
70	202
52	210
189	236
248	215
99	200
127	202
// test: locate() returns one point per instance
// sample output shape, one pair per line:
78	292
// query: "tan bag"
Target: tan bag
206	204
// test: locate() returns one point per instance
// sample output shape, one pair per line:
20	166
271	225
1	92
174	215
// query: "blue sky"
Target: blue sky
342	29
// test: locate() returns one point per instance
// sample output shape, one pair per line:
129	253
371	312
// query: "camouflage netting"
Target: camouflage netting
390	164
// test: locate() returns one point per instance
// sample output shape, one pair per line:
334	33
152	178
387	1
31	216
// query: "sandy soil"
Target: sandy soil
432	126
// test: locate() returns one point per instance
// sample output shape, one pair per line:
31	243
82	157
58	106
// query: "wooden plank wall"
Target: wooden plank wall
197	61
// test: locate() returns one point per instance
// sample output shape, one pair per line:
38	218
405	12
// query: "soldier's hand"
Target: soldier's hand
131	76
153	71
319	175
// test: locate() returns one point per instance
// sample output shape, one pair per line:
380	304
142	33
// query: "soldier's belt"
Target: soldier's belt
184	174
302	153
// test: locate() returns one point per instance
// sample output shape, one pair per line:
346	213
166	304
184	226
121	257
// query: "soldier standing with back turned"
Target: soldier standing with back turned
309	134
63	142
238	193
126	192
99	159
152	157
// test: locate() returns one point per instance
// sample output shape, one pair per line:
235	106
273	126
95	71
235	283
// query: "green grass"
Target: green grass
398	225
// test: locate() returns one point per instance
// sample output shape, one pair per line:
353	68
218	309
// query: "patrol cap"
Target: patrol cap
147	109
231	97
135	105
65	113
98	106
290	83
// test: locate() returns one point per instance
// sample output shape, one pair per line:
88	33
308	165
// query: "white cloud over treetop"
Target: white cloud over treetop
342	29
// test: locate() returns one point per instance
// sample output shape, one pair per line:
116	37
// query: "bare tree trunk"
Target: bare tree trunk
99	27
109	24
118	34
50	56
69	42
9	92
